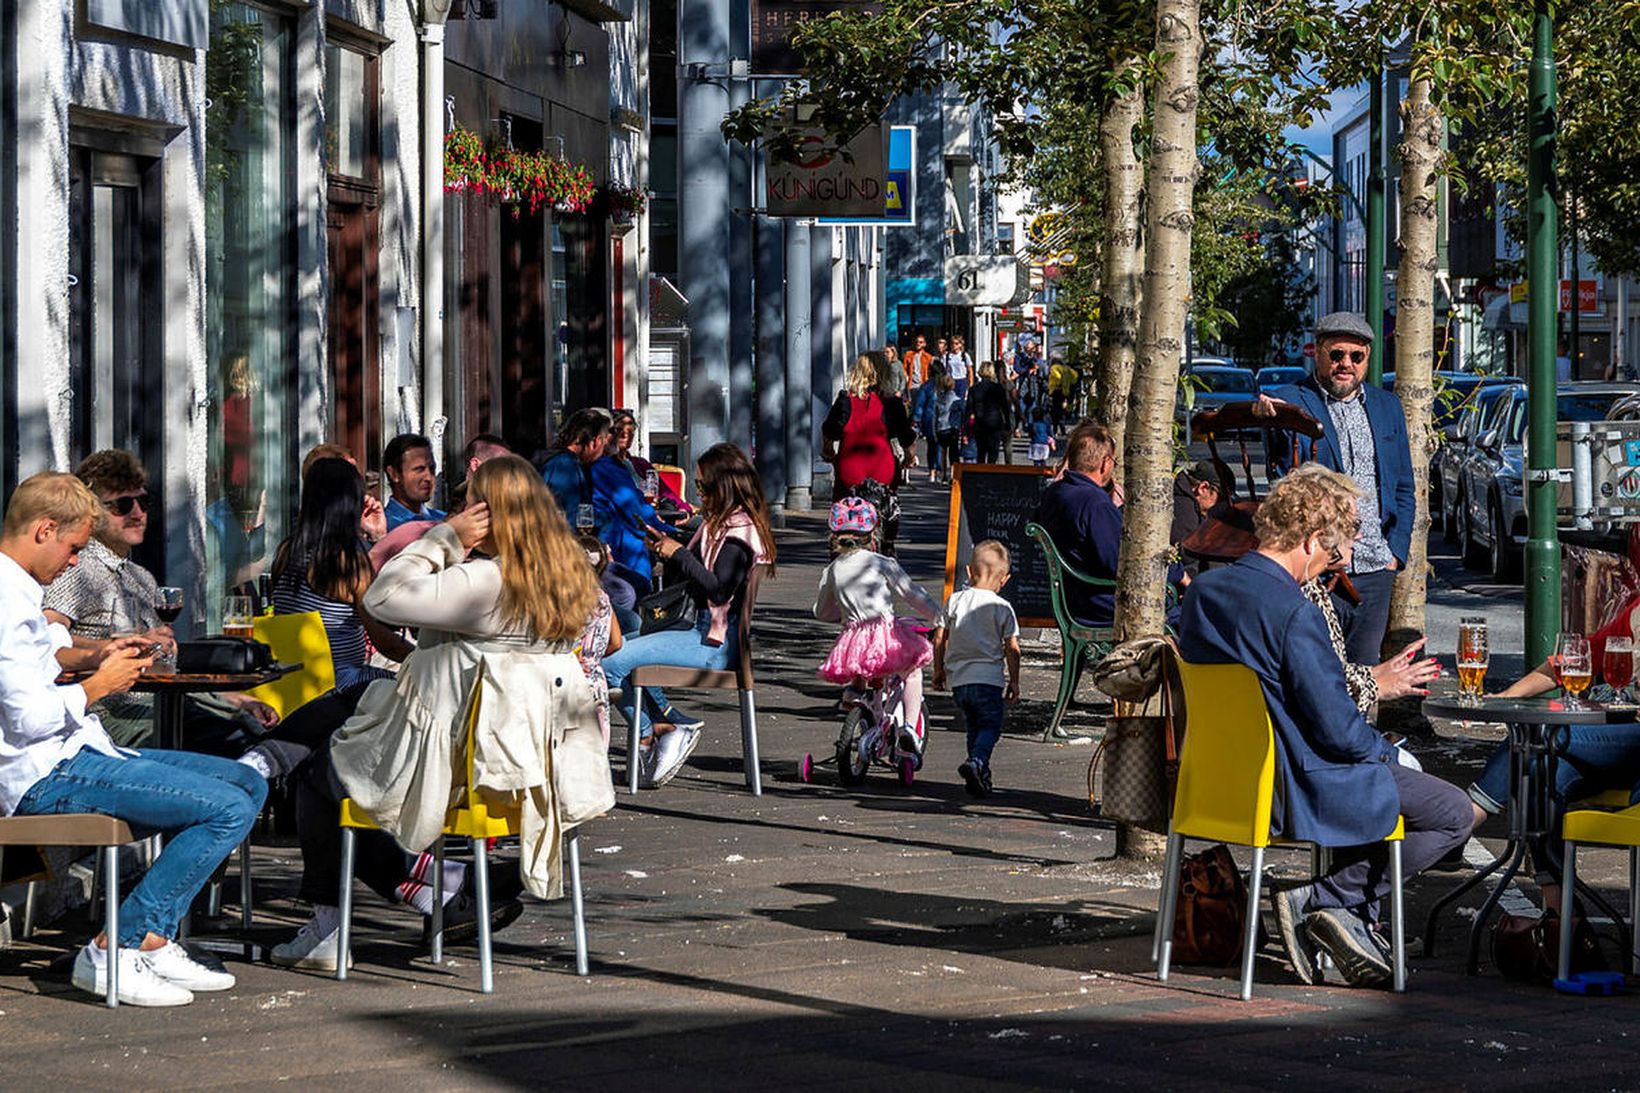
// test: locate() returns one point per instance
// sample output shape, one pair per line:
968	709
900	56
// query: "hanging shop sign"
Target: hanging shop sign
832	182
978	280
774	21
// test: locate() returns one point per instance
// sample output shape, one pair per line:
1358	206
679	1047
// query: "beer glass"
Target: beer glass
1617	663
237	616
1474	656
1574	667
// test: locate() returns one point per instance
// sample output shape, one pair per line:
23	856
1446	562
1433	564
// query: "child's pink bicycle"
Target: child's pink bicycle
872	734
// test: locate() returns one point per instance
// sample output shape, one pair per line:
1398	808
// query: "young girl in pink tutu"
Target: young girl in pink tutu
861	589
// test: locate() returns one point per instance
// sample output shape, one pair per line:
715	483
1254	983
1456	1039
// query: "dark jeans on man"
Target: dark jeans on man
1364	623
983	712
1438	818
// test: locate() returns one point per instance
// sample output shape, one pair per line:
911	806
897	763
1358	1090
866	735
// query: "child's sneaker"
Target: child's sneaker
977	777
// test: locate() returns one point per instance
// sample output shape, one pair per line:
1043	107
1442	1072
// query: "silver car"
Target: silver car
1478	416
1491	512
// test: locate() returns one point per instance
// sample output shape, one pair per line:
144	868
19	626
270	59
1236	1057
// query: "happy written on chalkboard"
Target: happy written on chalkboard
992	502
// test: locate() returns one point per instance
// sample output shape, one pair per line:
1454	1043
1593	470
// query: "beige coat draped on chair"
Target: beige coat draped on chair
400	756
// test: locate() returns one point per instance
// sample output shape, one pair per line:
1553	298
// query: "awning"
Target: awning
668	308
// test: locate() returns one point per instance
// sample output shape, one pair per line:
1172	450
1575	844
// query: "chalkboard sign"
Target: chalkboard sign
992	502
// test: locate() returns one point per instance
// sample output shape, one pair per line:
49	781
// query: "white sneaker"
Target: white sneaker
139	984
177	965
671	751
311	948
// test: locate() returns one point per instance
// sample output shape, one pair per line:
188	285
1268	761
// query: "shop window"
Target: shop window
250	281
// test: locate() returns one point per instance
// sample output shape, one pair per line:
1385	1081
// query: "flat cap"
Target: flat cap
1343	324
1203	470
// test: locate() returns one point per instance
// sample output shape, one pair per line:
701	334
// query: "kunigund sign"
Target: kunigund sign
827	182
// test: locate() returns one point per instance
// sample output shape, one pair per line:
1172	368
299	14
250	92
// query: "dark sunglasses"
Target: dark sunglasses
1337	356
1334	556
121	506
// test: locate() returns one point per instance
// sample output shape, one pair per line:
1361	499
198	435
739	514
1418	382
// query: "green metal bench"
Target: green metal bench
1077	639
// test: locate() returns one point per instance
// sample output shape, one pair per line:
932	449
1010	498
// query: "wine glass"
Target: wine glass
168	606
1574	667
585	520
1474	656
1617	662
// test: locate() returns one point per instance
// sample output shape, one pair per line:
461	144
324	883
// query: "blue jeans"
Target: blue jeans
684	648
983	711
1592	758
204	806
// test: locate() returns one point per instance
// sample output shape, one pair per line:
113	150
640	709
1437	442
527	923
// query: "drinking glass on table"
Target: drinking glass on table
1474	656
1617	663
237	616
168	607
1573	666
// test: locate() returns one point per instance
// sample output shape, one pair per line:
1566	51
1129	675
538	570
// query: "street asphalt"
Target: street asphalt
876	937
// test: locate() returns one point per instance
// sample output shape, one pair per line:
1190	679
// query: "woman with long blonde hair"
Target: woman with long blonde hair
734	536
497	594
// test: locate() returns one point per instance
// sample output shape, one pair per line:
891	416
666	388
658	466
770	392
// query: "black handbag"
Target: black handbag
219	654
672	608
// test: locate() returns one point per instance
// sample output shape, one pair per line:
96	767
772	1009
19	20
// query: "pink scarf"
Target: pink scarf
739	526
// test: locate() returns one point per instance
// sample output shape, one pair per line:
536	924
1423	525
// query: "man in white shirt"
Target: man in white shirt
55	758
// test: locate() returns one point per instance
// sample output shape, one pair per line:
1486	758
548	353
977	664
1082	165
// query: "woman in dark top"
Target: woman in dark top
733	537
990	414
325	567
861	429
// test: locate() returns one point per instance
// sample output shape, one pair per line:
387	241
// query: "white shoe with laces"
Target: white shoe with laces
177	965
671	751
313	948
139	985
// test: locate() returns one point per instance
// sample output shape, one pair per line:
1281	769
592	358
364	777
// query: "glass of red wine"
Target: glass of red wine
168	606
1617	664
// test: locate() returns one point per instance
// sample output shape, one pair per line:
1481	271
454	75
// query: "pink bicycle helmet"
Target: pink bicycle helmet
853	514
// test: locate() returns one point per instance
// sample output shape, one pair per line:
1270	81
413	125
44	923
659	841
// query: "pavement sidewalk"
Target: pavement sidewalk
822	937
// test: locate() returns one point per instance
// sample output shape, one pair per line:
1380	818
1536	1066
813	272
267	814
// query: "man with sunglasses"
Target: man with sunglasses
1365	438
109	594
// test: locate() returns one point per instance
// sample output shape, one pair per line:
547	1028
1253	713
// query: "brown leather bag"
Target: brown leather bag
1526	948
1211	920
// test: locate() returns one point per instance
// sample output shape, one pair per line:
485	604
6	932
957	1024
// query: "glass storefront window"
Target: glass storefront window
250	275
346	116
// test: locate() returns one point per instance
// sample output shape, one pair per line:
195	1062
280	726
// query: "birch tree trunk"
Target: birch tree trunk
1121	258
1421	161
1146	465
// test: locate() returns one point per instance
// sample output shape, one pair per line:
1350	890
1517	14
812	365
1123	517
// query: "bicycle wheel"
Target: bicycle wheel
852	764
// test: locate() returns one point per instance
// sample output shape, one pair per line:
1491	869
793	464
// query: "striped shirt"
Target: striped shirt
292	595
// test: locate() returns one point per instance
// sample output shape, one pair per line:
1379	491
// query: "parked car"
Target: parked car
1452	391
1491	513
1217	384
1478	416
1276	375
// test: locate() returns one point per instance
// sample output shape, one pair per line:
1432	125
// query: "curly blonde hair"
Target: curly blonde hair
1312	500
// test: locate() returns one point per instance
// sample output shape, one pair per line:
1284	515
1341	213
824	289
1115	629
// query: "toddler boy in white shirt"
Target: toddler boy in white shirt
979	633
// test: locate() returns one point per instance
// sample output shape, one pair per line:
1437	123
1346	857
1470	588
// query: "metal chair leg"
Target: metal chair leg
1398	919
1170	871
577	906
245	891
437	948
344	905
748	743
1569	879
633	733
111	927
1634	909
481	884
1249	949
30	895
1073	652
1170	895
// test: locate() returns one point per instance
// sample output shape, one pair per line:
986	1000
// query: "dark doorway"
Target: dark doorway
524	347
352	125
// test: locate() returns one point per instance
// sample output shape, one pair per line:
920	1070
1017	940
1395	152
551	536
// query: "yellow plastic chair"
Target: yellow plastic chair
1227	771
1599	828
295	639
475	819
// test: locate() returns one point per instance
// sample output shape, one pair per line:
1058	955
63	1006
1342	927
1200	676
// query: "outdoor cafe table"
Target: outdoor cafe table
169	687
1530	722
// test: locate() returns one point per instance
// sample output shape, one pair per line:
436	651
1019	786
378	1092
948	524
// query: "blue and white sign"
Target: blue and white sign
899	184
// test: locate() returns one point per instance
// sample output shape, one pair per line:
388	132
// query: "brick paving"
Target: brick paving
817	937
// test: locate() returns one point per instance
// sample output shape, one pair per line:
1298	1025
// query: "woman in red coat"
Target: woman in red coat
859	429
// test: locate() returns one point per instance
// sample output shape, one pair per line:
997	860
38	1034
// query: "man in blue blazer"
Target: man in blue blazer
1338	783
1365	438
